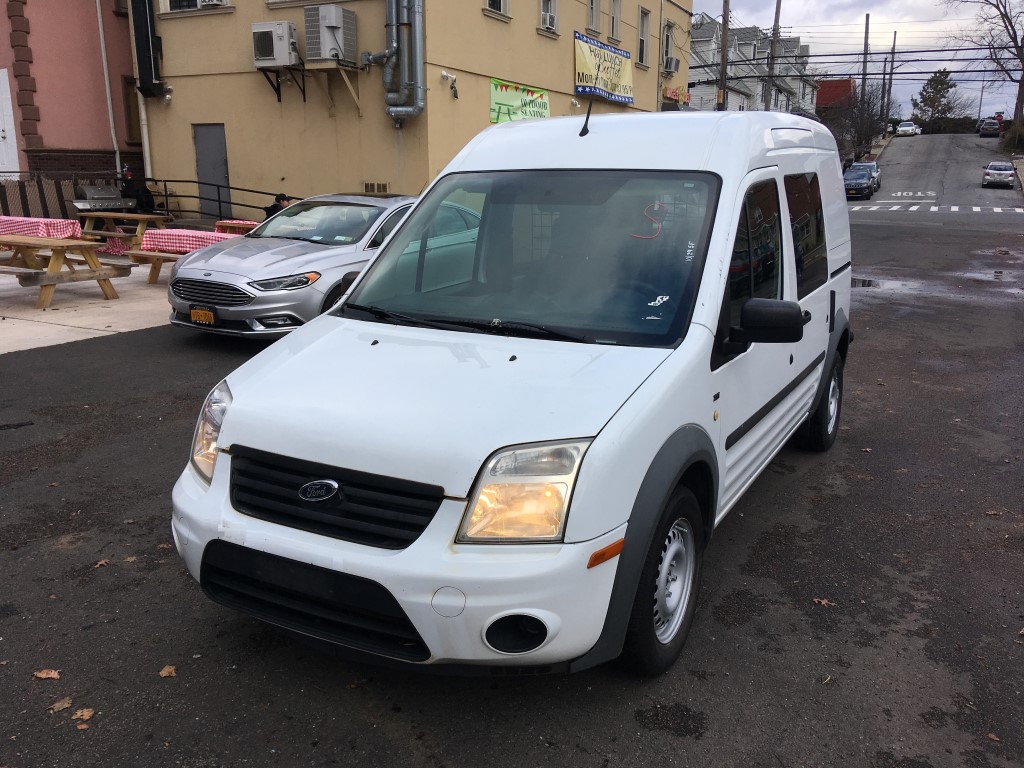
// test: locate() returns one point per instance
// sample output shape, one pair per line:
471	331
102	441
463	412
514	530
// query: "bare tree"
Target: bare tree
1001	32
856	122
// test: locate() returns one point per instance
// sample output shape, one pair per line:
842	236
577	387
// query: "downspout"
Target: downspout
388	56
415	54
147	162
399	97
106	85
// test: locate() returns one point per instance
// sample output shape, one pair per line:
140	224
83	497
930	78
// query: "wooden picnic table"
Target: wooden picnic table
105	225
235	226
50	261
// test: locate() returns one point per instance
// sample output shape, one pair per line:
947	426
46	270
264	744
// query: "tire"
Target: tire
823	424
335	294
666	598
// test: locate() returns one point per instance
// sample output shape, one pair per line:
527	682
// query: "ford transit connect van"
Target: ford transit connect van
511	449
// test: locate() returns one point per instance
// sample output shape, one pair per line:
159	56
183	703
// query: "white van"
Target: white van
511	448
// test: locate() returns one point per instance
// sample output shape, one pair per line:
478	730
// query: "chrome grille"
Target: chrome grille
209	292
375	510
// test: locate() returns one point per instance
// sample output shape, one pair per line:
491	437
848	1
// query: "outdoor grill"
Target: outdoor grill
101	197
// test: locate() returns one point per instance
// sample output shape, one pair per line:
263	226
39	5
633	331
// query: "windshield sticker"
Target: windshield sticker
691	250
658	301
656	205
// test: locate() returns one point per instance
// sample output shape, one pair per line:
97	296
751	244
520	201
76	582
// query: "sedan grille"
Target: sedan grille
209	292
375	510
336	607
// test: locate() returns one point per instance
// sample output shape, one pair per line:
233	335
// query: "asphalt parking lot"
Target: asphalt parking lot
862	607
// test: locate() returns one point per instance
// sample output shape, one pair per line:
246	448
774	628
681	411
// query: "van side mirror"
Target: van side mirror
770	321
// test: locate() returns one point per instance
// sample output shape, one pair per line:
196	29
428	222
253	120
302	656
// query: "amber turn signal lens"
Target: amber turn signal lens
605	554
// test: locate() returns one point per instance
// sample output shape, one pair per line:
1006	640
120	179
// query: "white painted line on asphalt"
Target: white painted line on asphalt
976	209
953	208
856	207
873	208
913	207
895	207
935	208
998	210
1019	210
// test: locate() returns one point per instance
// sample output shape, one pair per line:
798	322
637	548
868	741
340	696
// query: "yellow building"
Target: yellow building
378	95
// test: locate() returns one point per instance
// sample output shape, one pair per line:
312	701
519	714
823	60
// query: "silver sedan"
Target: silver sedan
288	270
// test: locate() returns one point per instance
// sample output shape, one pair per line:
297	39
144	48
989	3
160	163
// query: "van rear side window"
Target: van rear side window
755	269
803	193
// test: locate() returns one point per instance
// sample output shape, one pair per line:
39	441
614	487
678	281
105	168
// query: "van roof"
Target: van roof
721	142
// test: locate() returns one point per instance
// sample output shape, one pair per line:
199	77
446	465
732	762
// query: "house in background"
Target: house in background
379	95
748	53
67	95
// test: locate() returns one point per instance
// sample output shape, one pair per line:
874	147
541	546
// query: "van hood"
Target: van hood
424	404
257	257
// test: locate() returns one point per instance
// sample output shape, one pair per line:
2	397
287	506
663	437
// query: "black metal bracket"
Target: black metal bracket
298	76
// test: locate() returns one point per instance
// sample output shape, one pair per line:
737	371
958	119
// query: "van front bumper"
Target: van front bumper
432	603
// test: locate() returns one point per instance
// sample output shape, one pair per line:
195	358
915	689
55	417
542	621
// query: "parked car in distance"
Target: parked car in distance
906	128
989	128
873	169
858	183
512	450
917	130
998	172
288	270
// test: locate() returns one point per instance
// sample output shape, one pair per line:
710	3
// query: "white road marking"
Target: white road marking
935	208
913	207
997	210
895	207
976	209
954	208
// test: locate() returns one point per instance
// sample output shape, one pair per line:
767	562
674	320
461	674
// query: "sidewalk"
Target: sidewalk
79	311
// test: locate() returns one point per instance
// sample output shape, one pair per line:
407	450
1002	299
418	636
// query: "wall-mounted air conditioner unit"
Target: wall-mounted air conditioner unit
547	21
671	65
274	45
331	34
212	3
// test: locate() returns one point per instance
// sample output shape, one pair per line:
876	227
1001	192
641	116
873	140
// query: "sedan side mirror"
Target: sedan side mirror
770	321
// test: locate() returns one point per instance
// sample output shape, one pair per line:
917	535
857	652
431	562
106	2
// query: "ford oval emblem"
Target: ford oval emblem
318	490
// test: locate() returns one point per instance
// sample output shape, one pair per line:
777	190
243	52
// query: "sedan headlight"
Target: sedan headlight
522	494
204	444
289	283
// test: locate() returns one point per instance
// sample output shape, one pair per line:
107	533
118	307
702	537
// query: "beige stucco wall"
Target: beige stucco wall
324	144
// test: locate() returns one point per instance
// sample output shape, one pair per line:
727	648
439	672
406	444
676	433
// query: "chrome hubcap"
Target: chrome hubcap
833	403
675	580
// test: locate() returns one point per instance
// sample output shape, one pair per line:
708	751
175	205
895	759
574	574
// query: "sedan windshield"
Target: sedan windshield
855	176
330	223
598	256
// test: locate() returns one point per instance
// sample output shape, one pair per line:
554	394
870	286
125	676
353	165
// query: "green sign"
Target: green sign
511	101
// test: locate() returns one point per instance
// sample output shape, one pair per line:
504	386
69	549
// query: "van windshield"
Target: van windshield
601	256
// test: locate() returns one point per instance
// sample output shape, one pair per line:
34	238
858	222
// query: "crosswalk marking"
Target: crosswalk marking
936	208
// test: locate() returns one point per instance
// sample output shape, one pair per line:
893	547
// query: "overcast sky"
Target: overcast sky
837	27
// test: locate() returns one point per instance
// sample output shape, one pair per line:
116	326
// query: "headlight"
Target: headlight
204	444
289	283
522	494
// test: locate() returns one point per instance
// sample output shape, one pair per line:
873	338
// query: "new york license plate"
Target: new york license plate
203	315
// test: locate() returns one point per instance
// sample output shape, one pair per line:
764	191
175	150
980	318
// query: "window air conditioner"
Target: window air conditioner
274	45
547	21
331	34
212	3
671	65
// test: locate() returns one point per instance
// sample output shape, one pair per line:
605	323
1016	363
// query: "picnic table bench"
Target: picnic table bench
161	246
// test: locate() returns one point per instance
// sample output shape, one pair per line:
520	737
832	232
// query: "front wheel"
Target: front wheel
335	295
823	425
666	597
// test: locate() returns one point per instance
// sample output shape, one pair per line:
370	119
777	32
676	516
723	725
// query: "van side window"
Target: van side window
754	270
807	219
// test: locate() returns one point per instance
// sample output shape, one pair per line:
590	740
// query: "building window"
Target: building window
642	53
498	6
184	5
548	14
594	15
666	42
615	20
133	127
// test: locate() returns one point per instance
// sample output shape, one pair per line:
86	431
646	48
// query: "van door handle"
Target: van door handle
807	316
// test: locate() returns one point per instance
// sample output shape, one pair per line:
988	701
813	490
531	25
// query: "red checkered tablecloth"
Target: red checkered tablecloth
180	240
234	226
33	227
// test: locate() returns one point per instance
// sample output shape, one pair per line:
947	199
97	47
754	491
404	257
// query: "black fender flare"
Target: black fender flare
688	452
840	338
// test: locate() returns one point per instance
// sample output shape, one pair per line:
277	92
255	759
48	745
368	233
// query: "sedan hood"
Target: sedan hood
423	404
259	257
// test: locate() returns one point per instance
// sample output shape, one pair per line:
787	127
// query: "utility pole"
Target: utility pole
771	58
892	71
724	62
864	71
881	107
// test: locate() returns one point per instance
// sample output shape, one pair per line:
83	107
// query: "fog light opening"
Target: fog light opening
518	633
278	321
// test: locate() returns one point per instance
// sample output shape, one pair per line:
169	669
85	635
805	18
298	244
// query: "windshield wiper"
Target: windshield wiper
510	327
397	317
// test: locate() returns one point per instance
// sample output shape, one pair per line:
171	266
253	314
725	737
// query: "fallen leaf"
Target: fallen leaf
52	597
994	513
82	726
164	546
169	671
129	521
866	450
60	706
83	714
47	674
102	564
131	559
54	485
993	737
824	601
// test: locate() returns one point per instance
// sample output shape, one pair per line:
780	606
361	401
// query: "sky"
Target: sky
837	27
